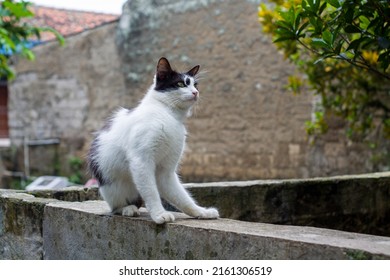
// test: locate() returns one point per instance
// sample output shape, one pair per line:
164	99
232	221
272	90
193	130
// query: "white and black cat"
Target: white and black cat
136	155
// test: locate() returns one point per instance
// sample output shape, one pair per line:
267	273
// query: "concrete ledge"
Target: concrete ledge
356	203
52	229
85	231
70	224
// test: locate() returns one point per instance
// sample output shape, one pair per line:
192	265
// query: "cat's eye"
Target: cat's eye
196	85
181	84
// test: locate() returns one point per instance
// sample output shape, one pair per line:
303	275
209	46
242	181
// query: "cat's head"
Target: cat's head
180	88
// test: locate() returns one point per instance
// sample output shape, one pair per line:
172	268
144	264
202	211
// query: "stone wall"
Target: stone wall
246	125
354	203
71	224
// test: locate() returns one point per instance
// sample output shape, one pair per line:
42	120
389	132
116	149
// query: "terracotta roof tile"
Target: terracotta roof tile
67	22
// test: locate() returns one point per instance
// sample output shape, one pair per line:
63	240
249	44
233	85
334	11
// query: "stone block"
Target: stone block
21	217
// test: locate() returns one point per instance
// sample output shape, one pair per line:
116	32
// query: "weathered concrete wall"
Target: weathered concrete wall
66	89
84	230
21	217
36	226
247	126
348	203
66	93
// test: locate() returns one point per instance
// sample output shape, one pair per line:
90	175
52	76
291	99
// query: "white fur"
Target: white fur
141	151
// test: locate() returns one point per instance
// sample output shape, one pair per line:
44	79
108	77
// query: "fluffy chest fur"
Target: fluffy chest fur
150	130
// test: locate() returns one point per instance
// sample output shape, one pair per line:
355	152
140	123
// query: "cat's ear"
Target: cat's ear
194	71
163	68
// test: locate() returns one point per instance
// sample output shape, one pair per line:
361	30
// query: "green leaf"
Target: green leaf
322	8
7	42
328	37
314	5
302	28
319	42
28	54
364	22
345	55
3	32
5	69
59	37
18	9
288	16
286	38
304	5
334	3
283	32
297	22
317	23
284	24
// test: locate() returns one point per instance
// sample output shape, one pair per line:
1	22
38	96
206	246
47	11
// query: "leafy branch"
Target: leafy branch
15	34
343	48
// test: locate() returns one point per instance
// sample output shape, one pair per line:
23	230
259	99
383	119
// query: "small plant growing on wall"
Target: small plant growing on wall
76	166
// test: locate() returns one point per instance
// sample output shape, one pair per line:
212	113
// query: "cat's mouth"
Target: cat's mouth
193	98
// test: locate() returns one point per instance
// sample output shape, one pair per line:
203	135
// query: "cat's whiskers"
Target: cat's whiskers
200	75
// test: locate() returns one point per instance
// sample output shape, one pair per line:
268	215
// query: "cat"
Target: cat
136	155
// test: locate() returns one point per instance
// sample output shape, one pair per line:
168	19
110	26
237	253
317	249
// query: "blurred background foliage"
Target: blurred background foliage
16	35
342	47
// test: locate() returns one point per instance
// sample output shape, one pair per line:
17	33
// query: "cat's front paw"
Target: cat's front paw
209	213
164	217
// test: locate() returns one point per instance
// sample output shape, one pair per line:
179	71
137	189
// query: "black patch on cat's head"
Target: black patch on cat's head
167	78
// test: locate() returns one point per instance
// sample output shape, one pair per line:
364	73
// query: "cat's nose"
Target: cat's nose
195	93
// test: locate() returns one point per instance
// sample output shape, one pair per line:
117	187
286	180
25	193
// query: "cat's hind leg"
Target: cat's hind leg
122	198
130	210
